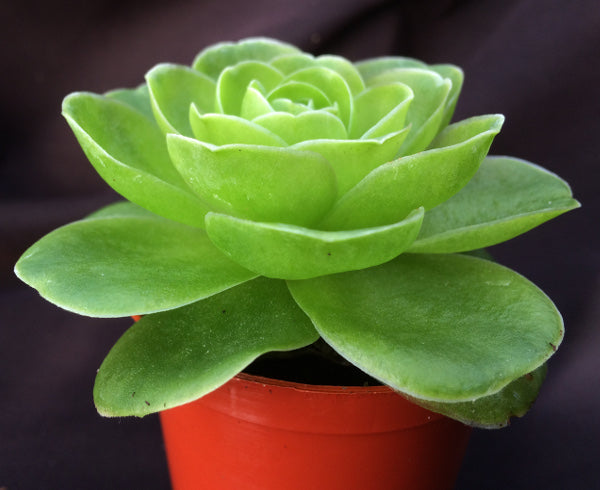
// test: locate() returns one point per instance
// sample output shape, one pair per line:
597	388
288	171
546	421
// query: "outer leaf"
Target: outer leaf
214	59
130	154
505	198
425	179
127	265
291	252
173	88
257	182
171	358
442	328
494	411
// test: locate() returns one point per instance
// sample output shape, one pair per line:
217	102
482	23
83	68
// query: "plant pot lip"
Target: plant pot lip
300	407
314	388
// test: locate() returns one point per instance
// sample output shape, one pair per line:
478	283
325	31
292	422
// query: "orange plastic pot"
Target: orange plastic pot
259	433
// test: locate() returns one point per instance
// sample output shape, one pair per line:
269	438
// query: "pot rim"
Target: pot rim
300	407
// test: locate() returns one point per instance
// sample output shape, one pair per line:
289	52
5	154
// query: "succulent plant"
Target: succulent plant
275	198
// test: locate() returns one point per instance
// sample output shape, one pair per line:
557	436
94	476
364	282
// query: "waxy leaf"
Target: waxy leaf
291	252
371	68
137	98
126	262
332	85
305	126
222	129
505	198
129	153
425	179
173	89
351	160
426	111
437	327
456	76
380	110
171	358
214	59
235	80
257	182
494	411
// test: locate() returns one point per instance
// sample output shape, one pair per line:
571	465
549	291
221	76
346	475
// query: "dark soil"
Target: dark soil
316	364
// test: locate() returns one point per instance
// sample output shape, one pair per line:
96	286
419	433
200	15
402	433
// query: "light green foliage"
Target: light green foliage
260	159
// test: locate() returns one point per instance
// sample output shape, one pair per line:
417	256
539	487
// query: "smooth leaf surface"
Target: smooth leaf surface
214	59
171	358
137	98
351	160
234	81
173	88
505	198
130	154
456	76
257	182
443	328
332	85
222	129
426	111
129	264
371	68
380	110
494	411
305	126
291	252
426	179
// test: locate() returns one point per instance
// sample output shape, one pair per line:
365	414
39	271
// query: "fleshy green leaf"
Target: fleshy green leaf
291	252
505	198
130	154
127	265
214	59
171	358
300	92
173	89
444	328
380	110
353	159
254	103
371	68
257	182
456	76
426	111
494	411
137	98
344	68
332	85
425	179
235	80
289	63
309	125
222	129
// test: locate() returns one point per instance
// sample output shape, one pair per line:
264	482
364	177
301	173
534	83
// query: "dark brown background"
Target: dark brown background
535	61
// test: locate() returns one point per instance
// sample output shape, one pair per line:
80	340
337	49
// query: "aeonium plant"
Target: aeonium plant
276	199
